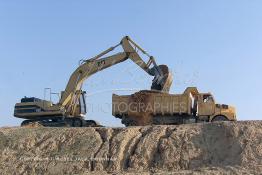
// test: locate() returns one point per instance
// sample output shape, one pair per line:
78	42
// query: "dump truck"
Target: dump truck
161	108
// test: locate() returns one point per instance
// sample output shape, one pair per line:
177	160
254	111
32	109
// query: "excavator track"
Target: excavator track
66	122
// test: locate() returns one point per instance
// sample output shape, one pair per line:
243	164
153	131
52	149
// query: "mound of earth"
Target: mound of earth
209	148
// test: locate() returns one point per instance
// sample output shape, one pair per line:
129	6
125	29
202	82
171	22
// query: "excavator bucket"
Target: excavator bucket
164	82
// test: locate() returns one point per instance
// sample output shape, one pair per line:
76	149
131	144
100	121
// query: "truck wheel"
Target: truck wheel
92	123
130	123
219	118
25	122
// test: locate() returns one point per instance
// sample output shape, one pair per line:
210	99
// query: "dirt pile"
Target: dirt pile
212	148
139	107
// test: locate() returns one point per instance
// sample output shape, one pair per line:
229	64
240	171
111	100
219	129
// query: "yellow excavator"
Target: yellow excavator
71	108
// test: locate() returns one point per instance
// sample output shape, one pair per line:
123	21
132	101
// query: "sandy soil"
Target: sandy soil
210	148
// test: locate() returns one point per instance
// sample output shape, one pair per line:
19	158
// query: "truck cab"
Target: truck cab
208	110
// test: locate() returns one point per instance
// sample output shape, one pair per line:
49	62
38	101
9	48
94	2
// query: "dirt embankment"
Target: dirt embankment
212	148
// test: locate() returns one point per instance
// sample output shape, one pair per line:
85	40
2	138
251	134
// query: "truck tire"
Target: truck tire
91	123
25	122
219	118
128	122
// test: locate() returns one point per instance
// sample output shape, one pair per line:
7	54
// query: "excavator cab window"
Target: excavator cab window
82	103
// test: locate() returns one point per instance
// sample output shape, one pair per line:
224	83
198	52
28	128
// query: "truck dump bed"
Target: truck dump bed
143	105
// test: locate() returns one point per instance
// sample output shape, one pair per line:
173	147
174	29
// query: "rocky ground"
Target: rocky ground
210	148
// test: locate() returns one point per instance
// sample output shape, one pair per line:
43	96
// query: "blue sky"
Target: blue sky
214	45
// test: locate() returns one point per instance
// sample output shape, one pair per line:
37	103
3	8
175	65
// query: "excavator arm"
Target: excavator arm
162	76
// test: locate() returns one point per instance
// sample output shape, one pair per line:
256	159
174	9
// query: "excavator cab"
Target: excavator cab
80	106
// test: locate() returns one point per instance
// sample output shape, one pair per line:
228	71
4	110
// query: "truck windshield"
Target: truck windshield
208	98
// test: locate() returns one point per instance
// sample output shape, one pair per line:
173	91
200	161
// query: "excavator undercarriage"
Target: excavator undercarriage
58	121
